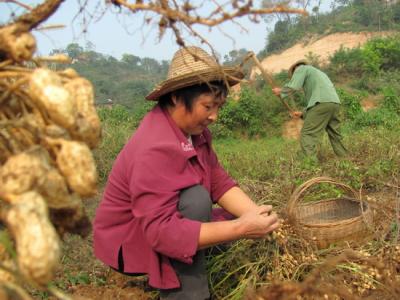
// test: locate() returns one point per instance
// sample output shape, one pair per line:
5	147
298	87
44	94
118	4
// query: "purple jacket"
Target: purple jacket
138	211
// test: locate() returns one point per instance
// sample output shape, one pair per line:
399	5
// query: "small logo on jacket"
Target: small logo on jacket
187	146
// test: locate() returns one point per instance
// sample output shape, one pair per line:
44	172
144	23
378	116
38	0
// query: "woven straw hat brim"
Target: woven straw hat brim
292	67
229	74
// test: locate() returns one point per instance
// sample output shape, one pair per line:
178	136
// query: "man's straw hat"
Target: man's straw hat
293	67
190	66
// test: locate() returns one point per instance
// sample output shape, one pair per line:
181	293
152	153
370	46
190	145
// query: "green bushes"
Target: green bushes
386	115
346	62
382	54
376	56
254	114
350	103
391	100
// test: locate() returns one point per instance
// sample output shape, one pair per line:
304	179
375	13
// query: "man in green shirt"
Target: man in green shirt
322	109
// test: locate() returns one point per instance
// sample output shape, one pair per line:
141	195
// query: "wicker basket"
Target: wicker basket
345	219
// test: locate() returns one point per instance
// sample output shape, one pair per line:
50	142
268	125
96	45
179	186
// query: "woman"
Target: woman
156	215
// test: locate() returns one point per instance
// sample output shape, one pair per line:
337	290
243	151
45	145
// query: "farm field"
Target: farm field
269	170
65	117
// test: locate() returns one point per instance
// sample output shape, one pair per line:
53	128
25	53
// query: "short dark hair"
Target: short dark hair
188	94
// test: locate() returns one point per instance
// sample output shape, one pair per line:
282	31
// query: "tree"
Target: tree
130	59
234	57
74	50
150	64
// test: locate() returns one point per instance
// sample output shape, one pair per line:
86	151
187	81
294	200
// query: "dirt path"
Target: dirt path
85	277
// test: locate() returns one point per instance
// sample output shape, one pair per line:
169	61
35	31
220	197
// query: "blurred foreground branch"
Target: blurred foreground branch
172	14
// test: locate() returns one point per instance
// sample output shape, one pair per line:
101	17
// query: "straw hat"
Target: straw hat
190	66
299	62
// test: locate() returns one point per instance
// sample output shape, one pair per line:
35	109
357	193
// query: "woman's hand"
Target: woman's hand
258	222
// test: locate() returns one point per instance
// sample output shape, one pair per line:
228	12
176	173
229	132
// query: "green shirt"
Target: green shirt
316	85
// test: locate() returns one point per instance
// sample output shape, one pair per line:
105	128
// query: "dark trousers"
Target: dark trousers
195	204
322	117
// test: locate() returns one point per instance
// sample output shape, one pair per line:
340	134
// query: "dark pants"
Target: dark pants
195	204
322	117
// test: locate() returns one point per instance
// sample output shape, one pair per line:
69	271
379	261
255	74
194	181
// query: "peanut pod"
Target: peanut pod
87	127
18	46
53	188
75	161
47	91
37	243
20	172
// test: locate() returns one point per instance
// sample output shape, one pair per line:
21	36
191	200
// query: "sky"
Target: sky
115	33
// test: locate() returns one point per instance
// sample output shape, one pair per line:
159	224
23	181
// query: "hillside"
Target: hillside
321	47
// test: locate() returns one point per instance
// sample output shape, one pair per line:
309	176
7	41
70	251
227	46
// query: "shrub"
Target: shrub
351	104
254	114
386	116
391	100
382	54
345	62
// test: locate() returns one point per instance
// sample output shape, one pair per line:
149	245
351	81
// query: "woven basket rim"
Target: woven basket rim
299	192
331	199
347	221
323	234
293	204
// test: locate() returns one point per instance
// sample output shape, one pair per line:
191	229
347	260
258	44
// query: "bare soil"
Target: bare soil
80	274
370	103
117	287
292	128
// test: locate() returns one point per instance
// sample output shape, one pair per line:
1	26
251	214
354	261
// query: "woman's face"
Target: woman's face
204	112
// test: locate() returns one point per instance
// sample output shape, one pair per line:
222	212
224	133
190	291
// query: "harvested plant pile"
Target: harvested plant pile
287	266
48	126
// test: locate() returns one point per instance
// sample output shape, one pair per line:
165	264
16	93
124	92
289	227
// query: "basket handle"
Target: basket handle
301	189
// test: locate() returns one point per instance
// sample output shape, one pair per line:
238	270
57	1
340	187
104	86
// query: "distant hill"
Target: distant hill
319	48
349	24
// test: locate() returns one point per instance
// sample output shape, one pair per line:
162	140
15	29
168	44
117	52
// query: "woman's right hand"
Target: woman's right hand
258	222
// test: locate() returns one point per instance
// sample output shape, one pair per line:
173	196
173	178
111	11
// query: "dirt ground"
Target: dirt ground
370	103
117	287
85	277
291	128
